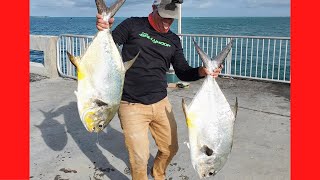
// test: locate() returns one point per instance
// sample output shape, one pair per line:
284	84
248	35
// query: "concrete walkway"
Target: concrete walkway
61	148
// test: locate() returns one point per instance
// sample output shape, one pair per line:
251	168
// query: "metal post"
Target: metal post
228	60
179	19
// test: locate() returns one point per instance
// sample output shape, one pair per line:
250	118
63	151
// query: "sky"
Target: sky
190	8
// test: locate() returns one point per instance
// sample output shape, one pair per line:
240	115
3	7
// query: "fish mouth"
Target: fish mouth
209	174
203	173
207	165
94	120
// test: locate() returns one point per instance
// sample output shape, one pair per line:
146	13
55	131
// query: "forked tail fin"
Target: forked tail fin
101	7
219	59
223	53
204	57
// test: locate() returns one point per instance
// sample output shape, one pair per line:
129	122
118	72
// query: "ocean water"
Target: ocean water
245	26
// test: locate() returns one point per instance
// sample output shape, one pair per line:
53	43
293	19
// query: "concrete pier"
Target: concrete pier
61	148
47	44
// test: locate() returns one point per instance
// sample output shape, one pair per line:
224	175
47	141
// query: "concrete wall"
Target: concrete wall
47	44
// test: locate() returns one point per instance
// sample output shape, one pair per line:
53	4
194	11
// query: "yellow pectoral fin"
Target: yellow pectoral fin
74	60
190	120
80	74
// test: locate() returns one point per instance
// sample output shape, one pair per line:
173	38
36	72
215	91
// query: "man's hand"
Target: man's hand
101	24
204	71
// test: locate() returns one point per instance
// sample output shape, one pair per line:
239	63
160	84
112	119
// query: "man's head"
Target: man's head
168	8
164	12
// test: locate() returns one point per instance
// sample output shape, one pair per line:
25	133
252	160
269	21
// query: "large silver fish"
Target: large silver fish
100	74
210	121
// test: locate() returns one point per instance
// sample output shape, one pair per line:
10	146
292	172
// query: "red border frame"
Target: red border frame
304	90
14	74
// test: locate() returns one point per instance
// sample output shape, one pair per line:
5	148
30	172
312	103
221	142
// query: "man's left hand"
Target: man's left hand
204	71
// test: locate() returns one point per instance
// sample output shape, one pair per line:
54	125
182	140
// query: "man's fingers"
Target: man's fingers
111	20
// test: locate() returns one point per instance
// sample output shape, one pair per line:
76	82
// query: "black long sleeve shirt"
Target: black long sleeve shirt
146	82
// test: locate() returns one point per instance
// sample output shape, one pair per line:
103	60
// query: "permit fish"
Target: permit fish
100	75
210	120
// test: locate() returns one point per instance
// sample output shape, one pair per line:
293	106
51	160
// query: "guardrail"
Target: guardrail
76	45
252	57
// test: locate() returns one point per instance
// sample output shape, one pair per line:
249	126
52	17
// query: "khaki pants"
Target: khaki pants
135	120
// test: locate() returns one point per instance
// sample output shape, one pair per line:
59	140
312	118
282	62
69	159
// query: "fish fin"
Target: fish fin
219	59
115	7
184	108
76	93
203	56
128	64
223	53
235	108
119	48
73	59
101	7
189	116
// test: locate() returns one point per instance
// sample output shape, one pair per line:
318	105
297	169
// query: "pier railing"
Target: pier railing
252	57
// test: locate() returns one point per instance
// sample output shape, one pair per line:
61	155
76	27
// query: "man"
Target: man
144	102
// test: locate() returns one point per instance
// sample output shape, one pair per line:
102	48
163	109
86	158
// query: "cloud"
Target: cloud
52	3
266	3
81	3
143	7
239	3
199	3
187	3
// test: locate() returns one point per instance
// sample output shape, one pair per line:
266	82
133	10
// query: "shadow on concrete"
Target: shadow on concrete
53	132
56	138
107	141
280	90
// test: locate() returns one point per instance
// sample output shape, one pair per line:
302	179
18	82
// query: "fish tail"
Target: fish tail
223	53
219	59
101	7
203	56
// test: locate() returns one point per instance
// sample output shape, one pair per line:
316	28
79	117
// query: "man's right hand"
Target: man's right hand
101	24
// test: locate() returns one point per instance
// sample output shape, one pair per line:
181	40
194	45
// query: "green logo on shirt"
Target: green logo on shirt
146	35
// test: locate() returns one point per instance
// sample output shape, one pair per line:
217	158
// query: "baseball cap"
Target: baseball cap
168	8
